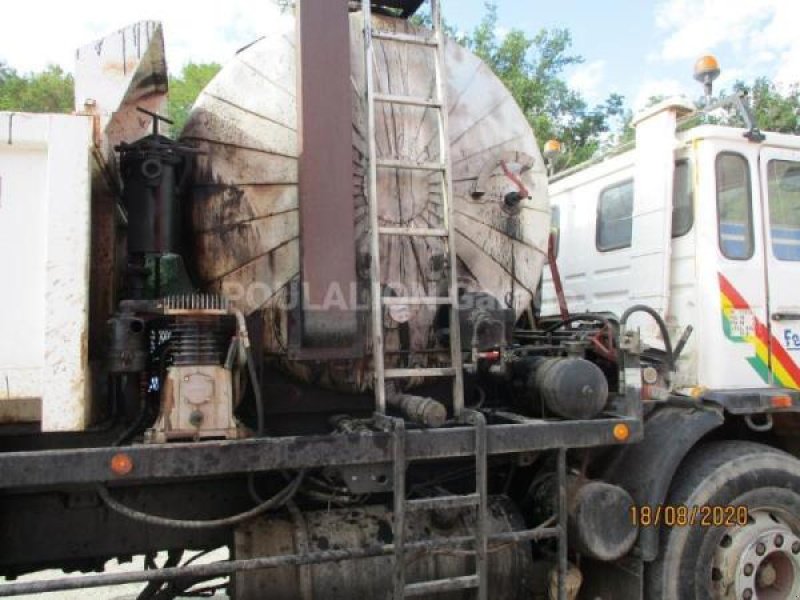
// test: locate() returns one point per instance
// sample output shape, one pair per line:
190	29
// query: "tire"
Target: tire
720	563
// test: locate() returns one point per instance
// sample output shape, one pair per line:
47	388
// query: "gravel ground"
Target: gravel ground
121	592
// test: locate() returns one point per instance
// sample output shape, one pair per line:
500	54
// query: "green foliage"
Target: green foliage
532	68
52	90
774	110
185	87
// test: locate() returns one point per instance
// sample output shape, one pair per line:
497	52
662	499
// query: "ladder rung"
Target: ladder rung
406	38
407	100
400	373
417	231
441	585
444	502
415	301
390	163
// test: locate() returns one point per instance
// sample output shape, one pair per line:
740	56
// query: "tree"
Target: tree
774	110
52	90
185	87
532	68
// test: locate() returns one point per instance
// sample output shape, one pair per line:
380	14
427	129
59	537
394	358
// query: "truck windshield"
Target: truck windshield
783	179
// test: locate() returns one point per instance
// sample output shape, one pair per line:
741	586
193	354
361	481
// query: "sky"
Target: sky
637	48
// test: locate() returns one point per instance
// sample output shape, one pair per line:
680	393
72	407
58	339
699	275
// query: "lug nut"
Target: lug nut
779	540
761	549
747	594
748	569
796	548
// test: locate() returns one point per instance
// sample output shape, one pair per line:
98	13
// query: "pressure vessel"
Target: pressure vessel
244	200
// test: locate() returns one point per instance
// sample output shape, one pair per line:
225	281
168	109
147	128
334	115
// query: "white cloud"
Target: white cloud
759	35
501	32
587	78
43	32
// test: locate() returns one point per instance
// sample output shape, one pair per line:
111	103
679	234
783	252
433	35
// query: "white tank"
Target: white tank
244	205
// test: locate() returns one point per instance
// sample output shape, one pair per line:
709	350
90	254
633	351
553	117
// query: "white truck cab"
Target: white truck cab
702	225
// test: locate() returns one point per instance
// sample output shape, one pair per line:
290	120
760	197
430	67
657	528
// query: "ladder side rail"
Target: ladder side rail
399	476
448	209
482	517
374	234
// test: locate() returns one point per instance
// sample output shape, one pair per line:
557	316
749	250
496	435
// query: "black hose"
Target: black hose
251	368
277	500
576	319
126	435
661	326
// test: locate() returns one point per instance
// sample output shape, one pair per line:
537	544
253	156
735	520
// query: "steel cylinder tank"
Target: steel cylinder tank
244	202
511	569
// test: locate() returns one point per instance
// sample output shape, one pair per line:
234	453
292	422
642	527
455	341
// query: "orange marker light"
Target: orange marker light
121	464
621	432
781	401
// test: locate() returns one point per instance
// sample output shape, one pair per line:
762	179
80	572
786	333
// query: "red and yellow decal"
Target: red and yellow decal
784	370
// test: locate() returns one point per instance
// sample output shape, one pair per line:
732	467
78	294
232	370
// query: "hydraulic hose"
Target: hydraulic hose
274	502
661	326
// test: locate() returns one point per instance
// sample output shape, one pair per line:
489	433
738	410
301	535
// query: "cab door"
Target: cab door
780	192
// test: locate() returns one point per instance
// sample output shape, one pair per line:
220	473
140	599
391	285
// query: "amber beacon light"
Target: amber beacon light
706	70
552	148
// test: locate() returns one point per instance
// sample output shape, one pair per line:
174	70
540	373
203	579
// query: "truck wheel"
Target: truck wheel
759	560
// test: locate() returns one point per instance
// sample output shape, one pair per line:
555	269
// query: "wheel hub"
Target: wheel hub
759	561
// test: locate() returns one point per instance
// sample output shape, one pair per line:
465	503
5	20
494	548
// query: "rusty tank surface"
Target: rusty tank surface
245	210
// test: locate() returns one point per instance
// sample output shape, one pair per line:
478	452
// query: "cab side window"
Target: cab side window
734	206
682	199
615	217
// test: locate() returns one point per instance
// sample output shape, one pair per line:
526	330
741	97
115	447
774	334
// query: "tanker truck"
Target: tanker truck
303	329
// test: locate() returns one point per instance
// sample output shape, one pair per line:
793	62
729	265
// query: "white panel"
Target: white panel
652	217
44	266
22	258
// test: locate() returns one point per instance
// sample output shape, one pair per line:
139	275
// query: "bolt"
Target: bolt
779	540
748	569
796	548
747	594
761	549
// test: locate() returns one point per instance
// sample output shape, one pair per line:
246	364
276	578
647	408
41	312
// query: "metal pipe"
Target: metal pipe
563	540
219	569
418	409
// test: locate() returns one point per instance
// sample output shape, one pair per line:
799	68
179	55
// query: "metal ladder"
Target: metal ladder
447	233
478	581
